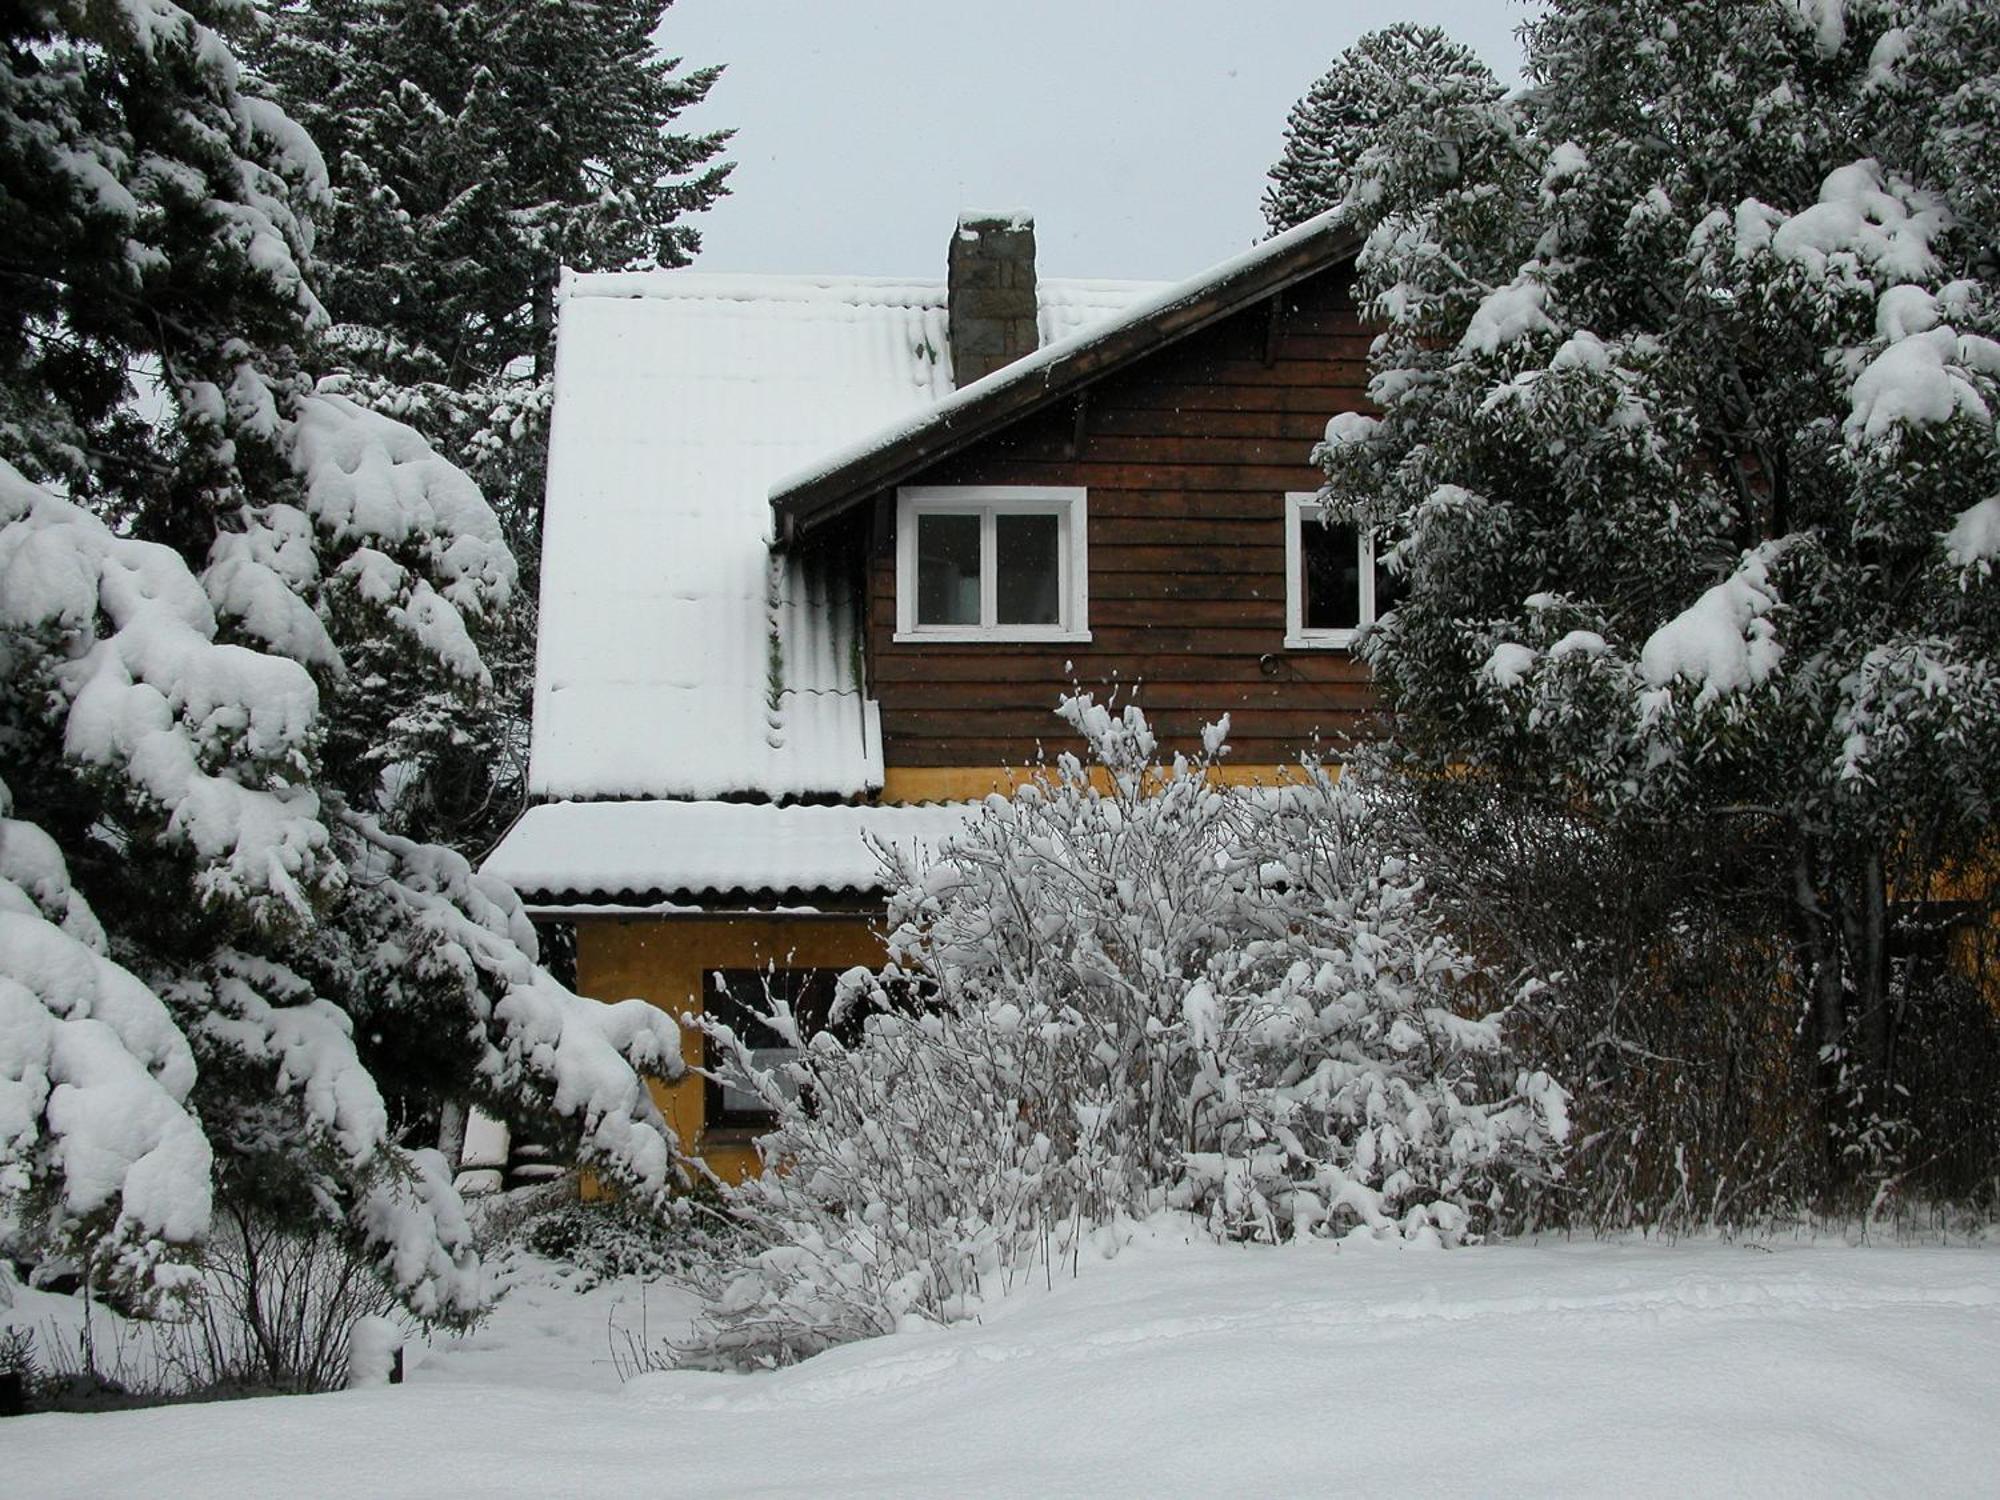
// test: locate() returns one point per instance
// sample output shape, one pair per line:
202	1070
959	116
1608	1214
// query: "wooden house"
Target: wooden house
820	556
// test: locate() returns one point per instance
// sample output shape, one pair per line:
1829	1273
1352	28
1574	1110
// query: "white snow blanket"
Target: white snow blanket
1177	1369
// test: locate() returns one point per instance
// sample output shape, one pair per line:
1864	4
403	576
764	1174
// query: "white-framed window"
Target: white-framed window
992	563
1332	584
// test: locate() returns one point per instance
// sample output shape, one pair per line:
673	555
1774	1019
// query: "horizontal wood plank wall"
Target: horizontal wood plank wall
1187	457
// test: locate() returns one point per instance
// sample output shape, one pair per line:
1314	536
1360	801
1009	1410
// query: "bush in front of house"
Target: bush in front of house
1125	989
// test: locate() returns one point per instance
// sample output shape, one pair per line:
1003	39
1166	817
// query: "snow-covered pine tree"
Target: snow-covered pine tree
1687	447
474	149
1380	79
219	975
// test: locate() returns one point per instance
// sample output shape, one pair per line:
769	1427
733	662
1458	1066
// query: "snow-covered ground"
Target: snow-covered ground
1178	1369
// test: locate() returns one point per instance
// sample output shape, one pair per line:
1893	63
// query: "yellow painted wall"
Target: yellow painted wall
905	784
661	959
1972	947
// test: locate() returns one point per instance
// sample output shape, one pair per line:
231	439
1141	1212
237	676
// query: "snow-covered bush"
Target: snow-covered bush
274	1308
281	1309
1665	1004
600	1239
1128	988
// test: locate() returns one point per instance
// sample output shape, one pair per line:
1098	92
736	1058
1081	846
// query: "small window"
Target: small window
991	564
1333	585
740	999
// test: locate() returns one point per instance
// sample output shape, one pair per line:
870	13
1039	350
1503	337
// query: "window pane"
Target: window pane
948	568
1390	588
1332	574
741	999
1028	569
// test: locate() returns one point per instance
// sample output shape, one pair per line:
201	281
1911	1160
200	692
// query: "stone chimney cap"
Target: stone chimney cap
972	222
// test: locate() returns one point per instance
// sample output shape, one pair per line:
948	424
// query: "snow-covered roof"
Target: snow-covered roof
583	850
677	658
833	477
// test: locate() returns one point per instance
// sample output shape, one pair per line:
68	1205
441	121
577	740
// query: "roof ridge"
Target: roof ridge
682	282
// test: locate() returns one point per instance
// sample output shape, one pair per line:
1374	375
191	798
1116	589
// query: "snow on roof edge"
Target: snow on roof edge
630	848
749	286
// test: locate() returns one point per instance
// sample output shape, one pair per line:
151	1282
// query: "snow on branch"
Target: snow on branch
94	1080
1724	642
412	1218
216	739
310	1042
589	1052
545	1045
1825	19
1920	380
1861	218
1508	315
1973	542
255	579
375	482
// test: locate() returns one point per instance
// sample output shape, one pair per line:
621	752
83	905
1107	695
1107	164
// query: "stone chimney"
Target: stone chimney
990	293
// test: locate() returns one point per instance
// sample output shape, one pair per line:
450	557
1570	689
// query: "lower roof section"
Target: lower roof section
645	853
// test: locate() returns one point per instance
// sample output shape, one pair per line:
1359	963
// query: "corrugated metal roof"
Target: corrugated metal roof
677	658
614	849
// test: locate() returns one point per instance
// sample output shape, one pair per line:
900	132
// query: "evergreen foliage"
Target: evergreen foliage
1383	78
1687	449
221	977
474	150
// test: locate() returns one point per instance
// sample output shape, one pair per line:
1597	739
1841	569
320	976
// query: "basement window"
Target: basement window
1333	583
741	999
991	563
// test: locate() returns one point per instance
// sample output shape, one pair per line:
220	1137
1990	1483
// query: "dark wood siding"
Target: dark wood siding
1187	456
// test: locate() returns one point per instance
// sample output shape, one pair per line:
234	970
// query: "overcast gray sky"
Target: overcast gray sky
1137	132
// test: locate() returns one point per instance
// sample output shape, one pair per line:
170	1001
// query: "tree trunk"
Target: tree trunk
1871	974
451	1132
544	313
1822	944
1820	939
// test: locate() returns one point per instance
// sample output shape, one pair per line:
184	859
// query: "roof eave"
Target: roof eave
801	507
606	900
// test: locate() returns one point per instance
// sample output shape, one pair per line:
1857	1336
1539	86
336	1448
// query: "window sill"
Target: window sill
1332	640
736	1133
1026	636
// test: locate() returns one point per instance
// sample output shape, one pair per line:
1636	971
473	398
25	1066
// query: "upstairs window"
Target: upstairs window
1333	585
978	563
